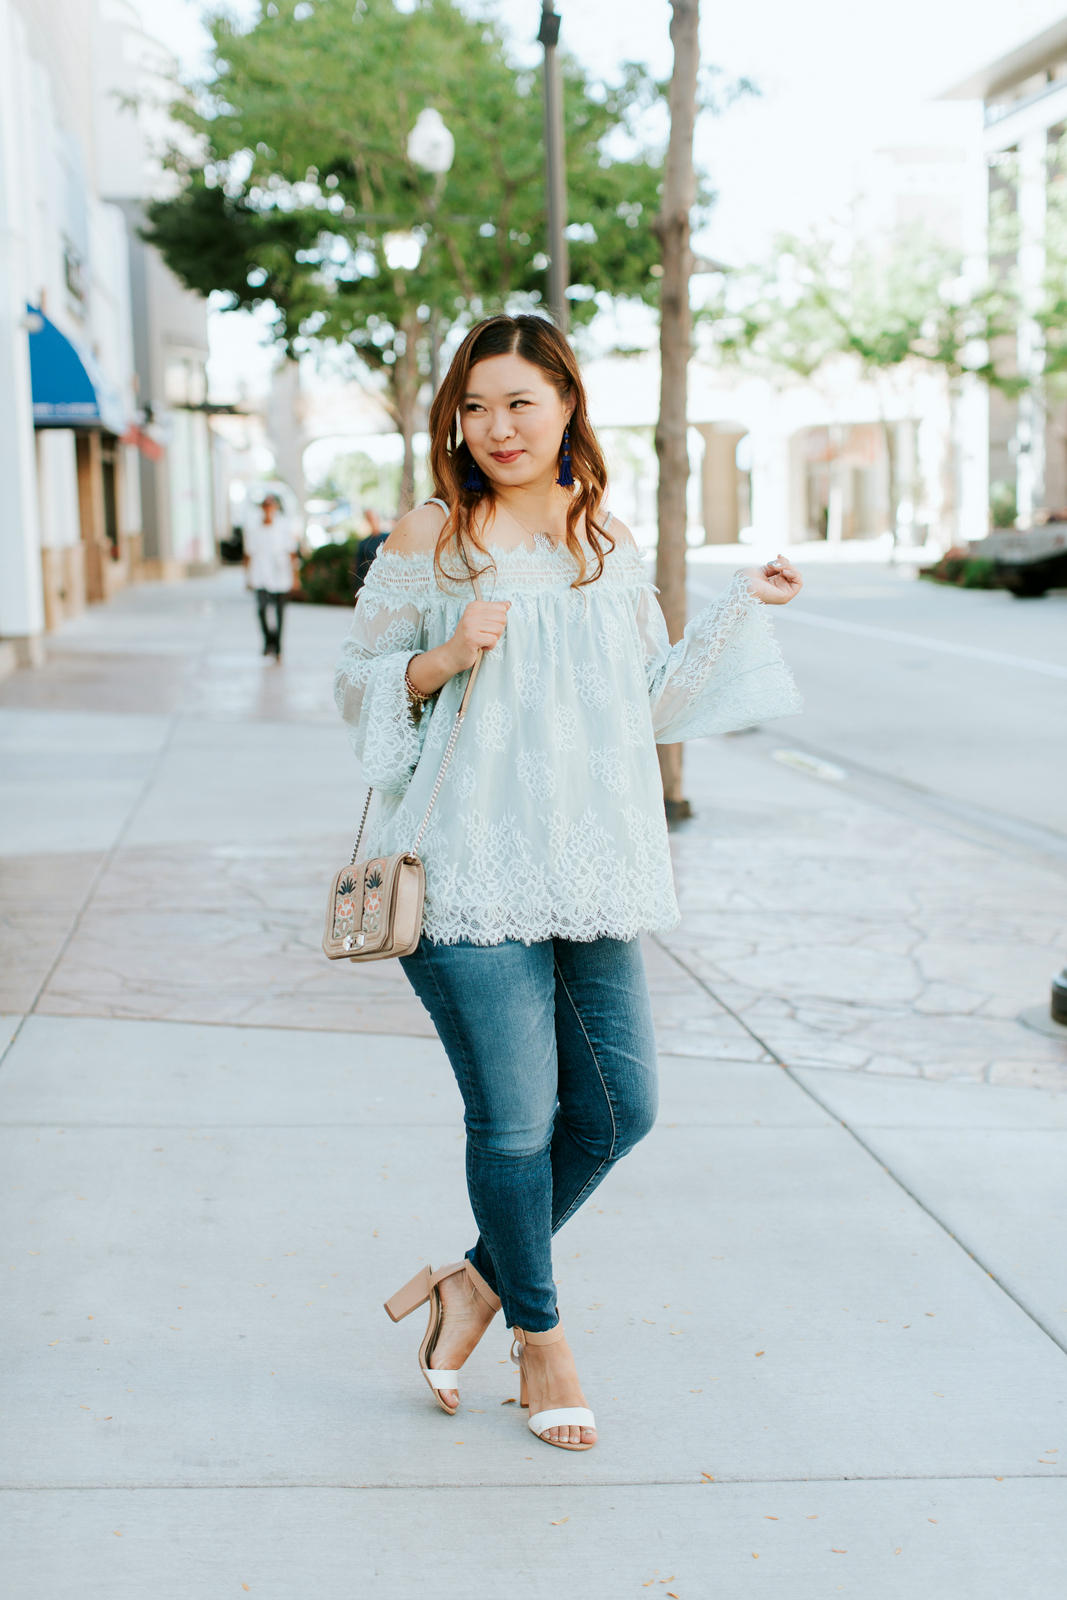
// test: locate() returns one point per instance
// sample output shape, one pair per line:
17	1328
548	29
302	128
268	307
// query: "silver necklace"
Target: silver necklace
544	533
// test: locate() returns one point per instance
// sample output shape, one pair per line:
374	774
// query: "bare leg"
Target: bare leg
466	1318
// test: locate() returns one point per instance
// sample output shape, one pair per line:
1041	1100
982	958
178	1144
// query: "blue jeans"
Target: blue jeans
555	1057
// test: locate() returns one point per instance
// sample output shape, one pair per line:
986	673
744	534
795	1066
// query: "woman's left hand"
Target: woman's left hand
776	583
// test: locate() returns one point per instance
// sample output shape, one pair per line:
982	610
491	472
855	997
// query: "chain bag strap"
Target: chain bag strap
374	908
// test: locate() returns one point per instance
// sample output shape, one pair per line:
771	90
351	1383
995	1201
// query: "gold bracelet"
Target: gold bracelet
416	696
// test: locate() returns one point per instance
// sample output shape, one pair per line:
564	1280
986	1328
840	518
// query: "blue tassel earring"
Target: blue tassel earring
473	480
566	476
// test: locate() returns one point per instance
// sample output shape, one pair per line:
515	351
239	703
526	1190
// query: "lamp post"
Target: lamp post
555	182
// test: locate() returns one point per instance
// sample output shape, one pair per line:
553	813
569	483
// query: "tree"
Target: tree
304	184
903	304
675	342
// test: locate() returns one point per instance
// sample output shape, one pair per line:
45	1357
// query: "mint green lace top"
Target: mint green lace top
550	821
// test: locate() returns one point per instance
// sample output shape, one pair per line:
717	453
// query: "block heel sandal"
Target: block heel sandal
566	1416
423	1287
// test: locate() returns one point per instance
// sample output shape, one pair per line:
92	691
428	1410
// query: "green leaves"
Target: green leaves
303	129
907	301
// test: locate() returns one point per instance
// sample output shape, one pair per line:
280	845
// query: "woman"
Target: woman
546	854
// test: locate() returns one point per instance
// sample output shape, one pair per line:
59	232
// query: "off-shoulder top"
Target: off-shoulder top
550	821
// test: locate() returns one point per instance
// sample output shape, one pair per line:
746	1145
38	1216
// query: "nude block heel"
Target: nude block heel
423	1287
411	1296
565	1416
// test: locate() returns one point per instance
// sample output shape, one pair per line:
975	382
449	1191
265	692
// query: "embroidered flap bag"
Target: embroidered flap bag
374	908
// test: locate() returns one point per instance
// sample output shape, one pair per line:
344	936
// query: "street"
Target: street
820	1311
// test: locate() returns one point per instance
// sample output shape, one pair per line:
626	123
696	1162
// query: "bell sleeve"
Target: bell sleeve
388	628
726	671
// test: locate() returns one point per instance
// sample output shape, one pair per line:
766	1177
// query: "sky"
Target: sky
838	80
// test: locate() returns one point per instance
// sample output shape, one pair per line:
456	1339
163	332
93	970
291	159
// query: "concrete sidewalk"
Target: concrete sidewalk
224	1152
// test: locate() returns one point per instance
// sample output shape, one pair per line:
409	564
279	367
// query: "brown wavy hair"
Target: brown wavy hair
541	343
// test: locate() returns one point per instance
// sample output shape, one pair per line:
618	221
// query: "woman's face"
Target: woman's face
513	419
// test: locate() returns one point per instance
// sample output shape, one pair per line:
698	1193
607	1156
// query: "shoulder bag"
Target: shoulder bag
374	908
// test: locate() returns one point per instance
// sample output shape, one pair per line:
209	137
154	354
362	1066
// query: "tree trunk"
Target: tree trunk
675	337
406	384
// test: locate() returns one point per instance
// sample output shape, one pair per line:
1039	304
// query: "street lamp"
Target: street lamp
431	146
555	183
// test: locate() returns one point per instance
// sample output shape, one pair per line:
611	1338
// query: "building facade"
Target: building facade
1024	100
104	446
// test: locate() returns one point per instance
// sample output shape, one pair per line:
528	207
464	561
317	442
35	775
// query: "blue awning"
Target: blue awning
70	389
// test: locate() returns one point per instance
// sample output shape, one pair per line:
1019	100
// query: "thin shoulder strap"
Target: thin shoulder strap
436	502
607	520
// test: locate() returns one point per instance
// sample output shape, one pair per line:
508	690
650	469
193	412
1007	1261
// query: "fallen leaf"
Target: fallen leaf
84	1408
558	1522
650	1320
477	1413
813	1518
761	1352
116	1532
108	1419
459	1441
755	1555
766	1518
708	1476
54	1342
896	1552
931	1519
940	1396
670	1592
834	1552
696	1391
931	1313
1000	1480
510	1402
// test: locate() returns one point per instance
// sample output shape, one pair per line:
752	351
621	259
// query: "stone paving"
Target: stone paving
845	936
842	934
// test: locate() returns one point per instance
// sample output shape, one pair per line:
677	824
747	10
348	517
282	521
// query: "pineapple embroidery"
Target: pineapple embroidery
372	899
344	916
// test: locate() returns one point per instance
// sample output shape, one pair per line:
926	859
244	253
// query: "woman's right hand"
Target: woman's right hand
480	627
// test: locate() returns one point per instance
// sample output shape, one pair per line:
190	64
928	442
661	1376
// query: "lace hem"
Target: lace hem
477	925
487	880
